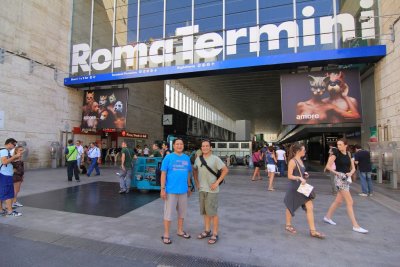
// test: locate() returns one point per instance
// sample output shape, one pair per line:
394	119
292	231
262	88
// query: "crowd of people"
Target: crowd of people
208	172
342	167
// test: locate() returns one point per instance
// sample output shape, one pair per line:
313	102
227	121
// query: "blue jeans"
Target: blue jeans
125	179
366	182
93	165
281	167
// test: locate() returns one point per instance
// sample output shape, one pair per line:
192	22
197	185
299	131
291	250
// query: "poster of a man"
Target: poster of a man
330	100
104	109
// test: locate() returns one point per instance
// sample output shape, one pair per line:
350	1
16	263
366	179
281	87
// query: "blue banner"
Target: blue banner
357	54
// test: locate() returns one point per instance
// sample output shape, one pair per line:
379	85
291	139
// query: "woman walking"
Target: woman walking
343	172
271	167
293	199
257	159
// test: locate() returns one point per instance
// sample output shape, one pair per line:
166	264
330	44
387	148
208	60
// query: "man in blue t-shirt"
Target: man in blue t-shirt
6	177
175	188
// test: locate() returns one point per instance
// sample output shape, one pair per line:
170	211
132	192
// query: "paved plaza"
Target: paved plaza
251	227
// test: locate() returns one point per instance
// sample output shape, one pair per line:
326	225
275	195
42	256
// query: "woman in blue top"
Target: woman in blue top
271	167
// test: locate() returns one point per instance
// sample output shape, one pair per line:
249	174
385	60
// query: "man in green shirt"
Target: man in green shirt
156	150
208	186
128	158
71	154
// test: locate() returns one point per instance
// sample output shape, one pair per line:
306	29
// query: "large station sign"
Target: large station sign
321	97
171	55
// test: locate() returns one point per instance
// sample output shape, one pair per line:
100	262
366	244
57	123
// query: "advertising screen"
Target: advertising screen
321	97
104	109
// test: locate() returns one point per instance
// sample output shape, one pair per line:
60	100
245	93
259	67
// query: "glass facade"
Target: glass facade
119	35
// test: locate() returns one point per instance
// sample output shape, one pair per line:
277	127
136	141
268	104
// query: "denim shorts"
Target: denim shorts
6	187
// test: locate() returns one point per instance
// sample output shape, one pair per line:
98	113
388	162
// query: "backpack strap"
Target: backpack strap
203	162
9	156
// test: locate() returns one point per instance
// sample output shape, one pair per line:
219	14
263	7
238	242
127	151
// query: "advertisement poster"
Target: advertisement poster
321	97
104	109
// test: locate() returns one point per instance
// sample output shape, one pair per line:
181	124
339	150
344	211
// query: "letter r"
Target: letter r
80	55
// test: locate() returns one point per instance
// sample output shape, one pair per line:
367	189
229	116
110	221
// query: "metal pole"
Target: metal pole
295	20
113	37
223	30
193	31
137	33
335	25
258	25
91	38
164	27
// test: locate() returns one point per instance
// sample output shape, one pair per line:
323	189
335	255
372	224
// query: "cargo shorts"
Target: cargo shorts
208	203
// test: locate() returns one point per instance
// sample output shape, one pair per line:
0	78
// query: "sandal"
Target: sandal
271	189
314	233
166	240
184	235
290	229
213	239
204	234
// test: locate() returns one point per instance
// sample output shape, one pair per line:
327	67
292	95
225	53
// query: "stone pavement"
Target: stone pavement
251	228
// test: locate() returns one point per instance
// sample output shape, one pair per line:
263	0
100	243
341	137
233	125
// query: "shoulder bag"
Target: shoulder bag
305	189
218	174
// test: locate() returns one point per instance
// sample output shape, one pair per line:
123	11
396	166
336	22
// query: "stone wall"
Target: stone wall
145	109
36	105
387	74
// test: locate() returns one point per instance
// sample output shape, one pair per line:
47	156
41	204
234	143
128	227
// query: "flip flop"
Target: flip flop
184	235
213	239
314	233
290	229
166	240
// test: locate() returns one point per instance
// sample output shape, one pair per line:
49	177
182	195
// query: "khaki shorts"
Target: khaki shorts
208	203
176	202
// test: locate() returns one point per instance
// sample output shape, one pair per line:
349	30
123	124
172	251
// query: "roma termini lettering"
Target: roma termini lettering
210	45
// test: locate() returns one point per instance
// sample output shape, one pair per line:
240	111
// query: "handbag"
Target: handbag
218	174
305	189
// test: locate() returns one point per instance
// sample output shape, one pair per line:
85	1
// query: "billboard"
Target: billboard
104	109
321	97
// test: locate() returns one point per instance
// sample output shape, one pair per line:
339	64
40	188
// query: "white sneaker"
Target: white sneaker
360	230
14	214
363	195
329	221
17	204
370	194
117	173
